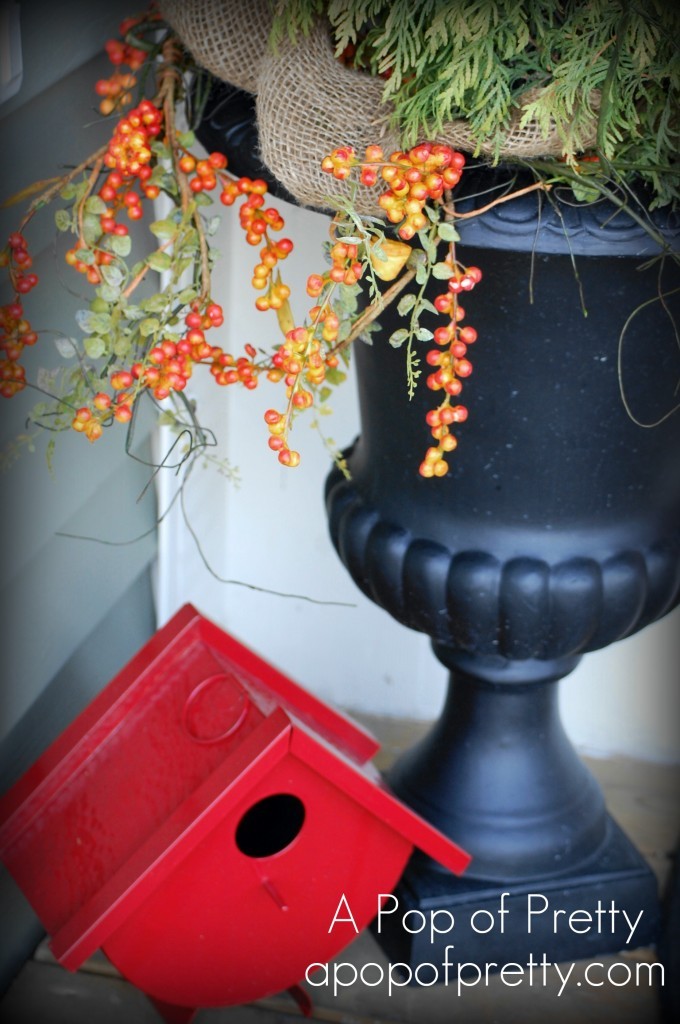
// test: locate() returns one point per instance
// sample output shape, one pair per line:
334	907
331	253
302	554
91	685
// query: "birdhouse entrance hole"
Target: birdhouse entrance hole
270	825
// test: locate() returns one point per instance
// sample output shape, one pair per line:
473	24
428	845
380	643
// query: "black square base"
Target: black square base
610	904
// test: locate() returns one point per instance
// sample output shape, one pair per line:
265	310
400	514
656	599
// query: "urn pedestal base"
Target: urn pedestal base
581	914
552	877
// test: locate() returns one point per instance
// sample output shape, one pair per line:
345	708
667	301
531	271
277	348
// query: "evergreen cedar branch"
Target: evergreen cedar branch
474	59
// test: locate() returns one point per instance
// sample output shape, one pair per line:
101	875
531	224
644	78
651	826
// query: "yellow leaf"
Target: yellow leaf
285	317
26	193
397	254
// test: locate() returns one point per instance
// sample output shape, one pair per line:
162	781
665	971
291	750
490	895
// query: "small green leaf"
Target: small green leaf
160	261
379	251
186	139
108	292
421	273
429	247
442	271
85	256
93	323
49	454
92	229
201	199
325	394
423	334
62	219
397	338
158	175
447	232
95	204
69	191
121	345
163	228
183	265
112	274
154	304
406	304
84	318
66	347
335	376
121	245
149	326
186	295
94	346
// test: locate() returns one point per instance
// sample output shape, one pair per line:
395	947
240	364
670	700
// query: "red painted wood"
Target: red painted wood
201	821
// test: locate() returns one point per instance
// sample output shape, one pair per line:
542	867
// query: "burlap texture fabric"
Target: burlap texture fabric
227	37
308	103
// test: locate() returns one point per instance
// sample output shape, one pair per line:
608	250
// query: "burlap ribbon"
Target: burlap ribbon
308	103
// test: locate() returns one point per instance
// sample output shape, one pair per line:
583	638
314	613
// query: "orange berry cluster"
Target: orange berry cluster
116	90
299	358
346	269
128	156
306	354
228	370
15	334
415	177
452	367
166	367
202	174
128	182
15	331
16	257
257	221
90	270
341	162
129	151
120	52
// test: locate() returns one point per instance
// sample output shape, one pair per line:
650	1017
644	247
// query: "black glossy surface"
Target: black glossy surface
557	528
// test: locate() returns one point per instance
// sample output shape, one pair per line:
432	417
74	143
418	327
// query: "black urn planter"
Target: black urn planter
555	532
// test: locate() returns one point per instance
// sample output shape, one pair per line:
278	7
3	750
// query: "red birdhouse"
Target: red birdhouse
201	820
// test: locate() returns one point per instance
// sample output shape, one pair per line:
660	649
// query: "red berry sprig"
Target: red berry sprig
129	150
307	353
162	356
415	177
116	91
16	332
258	221
166	368
422	175
452	367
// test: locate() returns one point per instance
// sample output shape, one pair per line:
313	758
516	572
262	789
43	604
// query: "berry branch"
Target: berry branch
134	347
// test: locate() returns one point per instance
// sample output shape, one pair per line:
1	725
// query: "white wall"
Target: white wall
272	532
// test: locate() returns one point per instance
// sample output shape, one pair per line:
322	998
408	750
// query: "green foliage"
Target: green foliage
614	60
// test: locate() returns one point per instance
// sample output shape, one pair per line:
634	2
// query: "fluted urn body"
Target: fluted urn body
555	532
557	528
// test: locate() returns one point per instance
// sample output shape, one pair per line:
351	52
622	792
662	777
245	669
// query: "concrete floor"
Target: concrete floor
643	798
